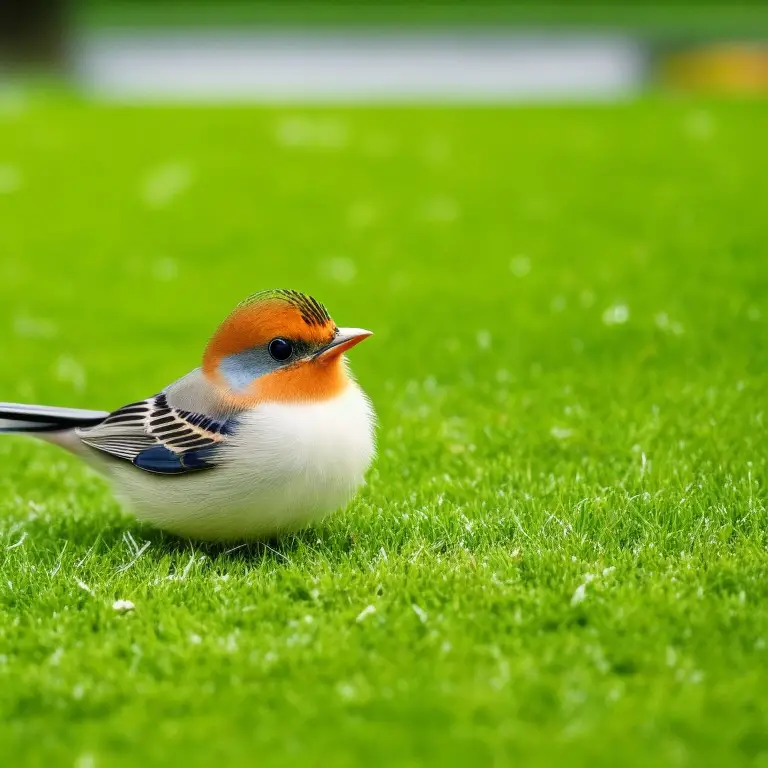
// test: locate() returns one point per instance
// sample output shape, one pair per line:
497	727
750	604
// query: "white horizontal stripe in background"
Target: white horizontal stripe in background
357	66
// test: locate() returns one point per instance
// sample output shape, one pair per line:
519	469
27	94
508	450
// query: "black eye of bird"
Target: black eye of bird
280	349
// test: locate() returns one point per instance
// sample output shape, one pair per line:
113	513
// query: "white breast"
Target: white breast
286	466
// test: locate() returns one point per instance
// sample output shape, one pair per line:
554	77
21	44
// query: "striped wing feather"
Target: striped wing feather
140	427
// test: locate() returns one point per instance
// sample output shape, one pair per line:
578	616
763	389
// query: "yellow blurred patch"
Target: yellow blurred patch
736	68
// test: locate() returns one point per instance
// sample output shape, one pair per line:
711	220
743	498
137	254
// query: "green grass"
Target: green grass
564	536
658	21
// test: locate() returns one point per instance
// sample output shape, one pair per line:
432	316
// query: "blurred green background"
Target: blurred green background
688	15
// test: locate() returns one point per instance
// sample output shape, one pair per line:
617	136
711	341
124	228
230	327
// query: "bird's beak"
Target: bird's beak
345	339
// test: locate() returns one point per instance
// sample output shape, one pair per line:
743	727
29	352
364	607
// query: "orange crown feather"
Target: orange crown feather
263	317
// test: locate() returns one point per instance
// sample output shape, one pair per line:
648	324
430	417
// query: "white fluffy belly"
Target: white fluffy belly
286	466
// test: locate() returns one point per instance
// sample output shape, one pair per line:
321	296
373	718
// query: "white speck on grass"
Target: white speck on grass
699	125
21	540
130	541
58	565
123	606
441	210
55	658
84	586
195	639
230	644
78	691
614	694
520	266
133	560
34	327
69	371
561	433
298	640
484	339
165	270
617	314
137	554
346	691
502	678
340	269
85	761
663	323
421	613
165	183
188	567
367	611
311	133
579	594
10	179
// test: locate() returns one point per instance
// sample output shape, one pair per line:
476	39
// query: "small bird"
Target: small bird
270	433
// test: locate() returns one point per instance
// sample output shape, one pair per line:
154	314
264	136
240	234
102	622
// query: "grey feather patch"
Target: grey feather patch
242	368
196	394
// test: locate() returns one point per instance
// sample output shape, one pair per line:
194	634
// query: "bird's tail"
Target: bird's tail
44	419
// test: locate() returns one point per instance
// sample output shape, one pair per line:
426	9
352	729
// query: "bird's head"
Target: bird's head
279	346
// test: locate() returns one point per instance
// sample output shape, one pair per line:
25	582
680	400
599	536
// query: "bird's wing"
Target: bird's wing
158	437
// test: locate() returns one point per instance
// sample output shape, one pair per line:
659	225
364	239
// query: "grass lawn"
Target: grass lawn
561	551
689	20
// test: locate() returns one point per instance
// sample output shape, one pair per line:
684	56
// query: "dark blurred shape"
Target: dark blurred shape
33	33
726	68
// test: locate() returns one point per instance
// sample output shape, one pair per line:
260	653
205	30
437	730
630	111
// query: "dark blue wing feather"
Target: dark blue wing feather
163	461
